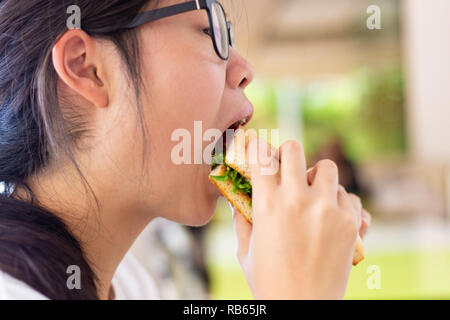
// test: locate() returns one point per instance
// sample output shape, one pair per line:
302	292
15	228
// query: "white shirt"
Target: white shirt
130	282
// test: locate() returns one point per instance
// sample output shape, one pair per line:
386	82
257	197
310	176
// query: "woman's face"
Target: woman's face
185	81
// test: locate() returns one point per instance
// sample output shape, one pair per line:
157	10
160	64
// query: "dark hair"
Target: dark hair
35	245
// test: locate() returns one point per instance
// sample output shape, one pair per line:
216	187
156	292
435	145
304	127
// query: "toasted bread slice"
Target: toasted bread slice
359	253
236	155
239	200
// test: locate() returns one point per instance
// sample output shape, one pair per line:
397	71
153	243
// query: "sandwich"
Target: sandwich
231	176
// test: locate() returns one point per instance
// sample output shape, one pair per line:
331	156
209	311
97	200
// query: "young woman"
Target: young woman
86	118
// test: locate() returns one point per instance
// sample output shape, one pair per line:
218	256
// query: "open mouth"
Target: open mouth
228	135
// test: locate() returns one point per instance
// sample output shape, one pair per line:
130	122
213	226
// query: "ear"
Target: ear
77	61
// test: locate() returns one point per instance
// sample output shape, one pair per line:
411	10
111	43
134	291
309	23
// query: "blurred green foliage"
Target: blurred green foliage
364	109
263	96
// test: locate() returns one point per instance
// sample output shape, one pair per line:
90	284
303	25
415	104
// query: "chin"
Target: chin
199	213
200	217
194	204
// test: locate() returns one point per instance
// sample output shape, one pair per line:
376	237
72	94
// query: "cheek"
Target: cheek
193	95
184	84
179	101
179	93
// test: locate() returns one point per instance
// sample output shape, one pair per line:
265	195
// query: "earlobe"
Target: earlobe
76	60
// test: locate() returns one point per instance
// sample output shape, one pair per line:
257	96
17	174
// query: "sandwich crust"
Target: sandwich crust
239	200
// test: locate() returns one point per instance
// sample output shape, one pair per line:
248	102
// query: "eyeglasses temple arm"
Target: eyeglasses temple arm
156	14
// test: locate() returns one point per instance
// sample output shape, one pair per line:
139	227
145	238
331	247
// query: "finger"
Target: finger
293	164
366	220
326	178
347	202
344	200
243	232
261	159
356	201
367	217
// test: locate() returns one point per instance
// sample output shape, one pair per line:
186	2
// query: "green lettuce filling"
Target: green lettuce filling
239	182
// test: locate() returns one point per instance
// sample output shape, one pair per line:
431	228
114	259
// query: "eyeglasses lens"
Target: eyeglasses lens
220	29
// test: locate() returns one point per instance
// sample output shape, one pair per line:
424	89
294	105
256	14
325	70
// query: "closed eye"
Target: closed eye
207	31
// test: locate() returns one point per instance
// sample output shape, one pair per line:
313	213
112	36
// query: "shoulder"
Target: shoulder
133	282
14	289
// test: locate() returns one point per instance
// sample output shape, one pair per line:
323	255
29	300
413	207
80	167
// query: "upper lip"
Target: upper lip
241	118
244	115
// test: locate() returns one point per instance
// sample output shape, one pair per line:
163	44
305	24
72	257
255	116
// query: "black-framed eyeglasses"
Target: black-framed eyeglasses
222	32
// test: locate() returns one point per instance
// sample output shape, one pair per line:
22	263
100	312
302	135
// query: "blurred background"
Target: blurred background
366	84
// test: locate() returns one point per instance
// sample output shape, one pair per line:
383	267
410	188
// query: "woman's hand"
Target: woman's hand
304	230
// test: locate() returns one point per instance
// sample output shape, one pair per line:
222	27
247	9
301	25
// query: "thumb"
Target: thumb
243	232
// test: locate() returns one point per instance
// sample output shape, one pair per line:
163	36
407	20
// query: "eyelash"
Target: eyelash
207	31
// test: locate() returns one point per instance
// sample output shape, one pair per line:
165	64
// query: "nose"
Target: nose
239	72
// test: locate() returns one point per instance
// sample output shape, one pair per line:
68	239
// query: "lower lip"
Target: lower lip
245	113
247	110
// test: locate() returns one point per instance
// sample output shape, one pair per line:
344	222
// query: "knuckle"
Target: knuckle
343	193
263	205
293	204
367	216
268	199
326	208
349	224
356	201
327	164
292	145
355	198
295	200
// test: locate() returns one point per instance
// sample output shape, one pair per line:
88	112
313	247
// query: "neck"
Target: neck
105	233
